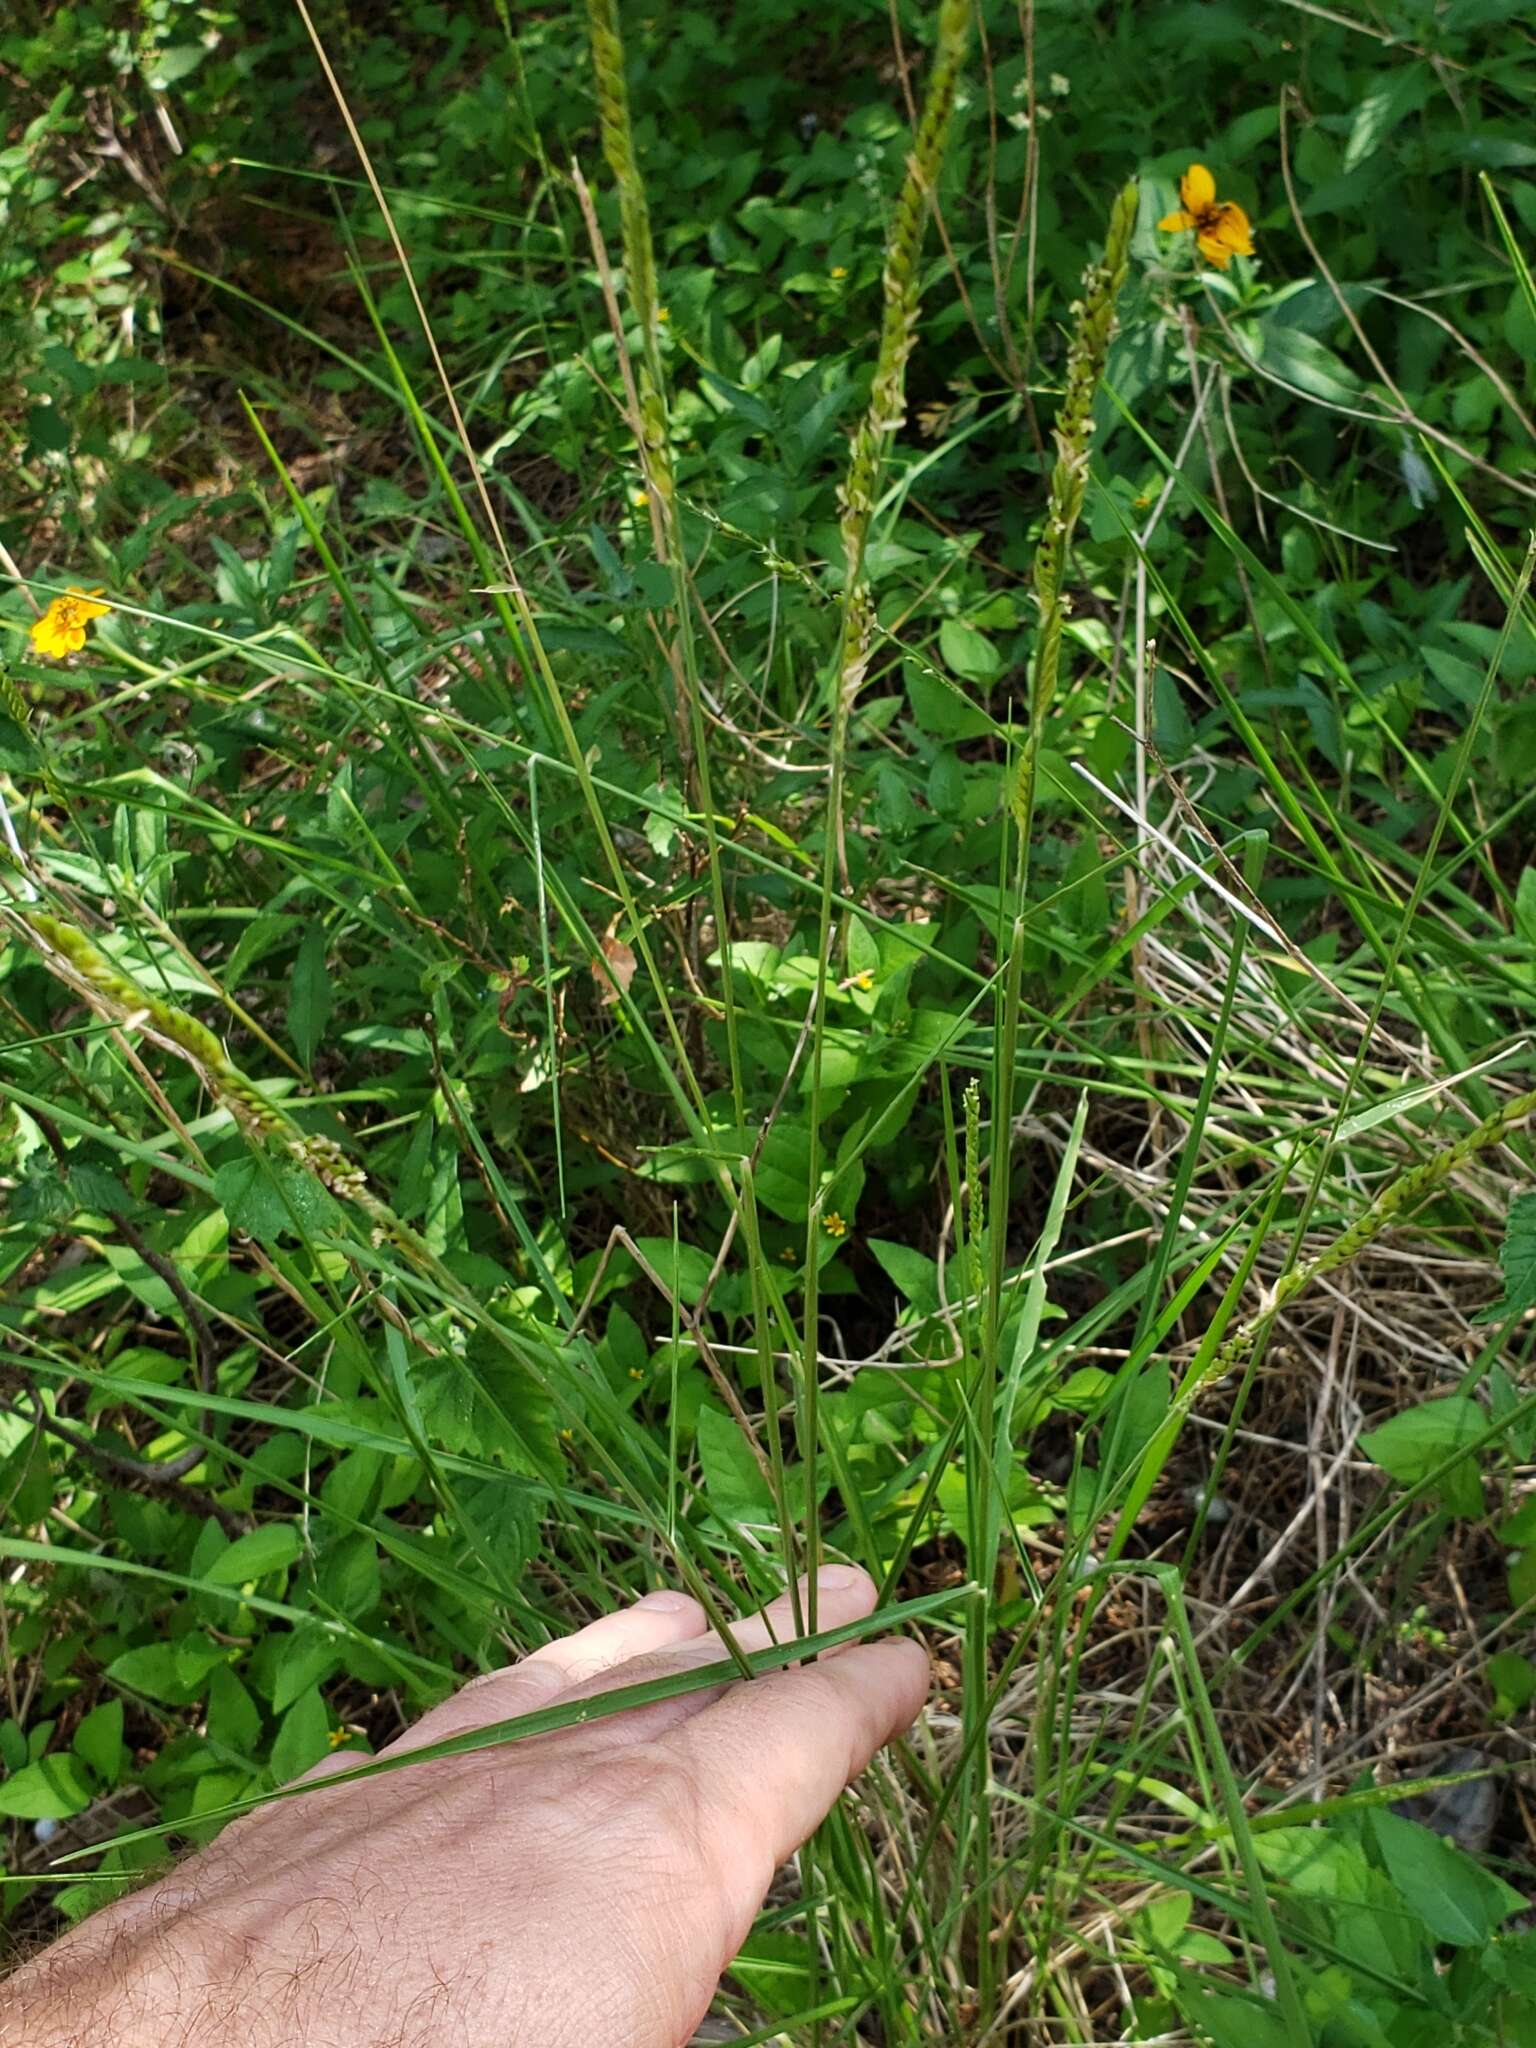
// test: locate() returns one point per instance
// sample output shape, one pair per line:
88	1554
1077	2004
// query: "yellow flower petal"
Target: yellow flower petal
1214	251
1232	229
61	629
1197	189
1176	223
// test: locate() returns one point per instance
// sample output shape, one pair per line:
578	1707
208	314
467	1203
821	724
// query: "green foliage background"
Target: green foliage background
530	1233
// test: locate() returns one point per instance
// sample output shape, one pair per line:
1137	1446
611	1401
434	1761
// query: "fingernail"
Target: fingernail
664	1602
836	1578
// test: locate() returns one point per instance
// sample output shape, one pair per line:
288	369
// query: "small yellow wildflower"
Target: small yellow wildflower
1220	226
338	1736
789	1255
663	315
865	980
833	1224
838	270
61	629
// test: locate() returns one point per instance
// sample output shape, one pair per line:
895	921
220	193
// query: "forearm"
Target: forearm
173	1967
102	1986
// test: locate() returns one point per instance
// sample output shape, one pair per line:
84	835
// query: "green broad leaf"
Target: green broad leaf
1140	1409
1162	1922
98	1741
942	707
1517	1262
308	1658
174	1673
263	1197
1457	1900
970	654
95	1188
625	1344
310	997
53	1788
1512	1680
660	824
775	1969
1083	1389
246	1190
863	948
1240	2022
914	1274
1461	680
303	1738
349	1575
165	67
751	409
1413	1443
783	1171
271	1548
1380	112
233	1719
734	1484
682	1269
1310	365
268	928
47	430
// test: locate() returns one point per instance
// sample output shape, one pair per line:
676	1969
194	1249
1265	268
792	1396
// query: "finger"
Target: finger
771	1756
844	1594
653	1624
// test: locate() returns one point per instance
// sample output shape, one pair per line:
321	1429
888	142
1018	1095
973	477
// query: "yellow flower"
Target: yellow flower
838	270
1220	226
833	1224
61	629
864	980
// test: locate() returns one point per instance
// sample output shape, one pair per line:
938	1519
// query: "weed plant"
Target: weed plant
792	819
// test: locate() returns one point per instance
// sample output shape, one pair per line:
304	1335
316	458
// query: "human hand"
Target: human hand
583	1886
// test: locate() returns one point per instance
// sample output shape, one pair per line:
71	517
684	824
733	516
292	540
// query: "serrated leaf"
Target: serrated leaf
1517	1262
264	1197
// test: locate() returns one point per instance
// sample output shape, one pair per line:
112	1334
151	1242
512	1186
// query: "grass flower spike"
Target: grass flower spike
61	629
1220	226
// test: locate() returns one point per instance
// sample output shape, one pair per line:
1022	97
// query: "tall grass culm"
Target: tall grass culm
597	994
